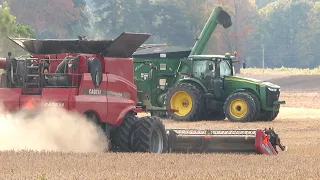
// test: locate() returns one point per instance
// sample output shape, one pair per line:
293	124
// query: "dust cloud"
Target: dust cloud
52	129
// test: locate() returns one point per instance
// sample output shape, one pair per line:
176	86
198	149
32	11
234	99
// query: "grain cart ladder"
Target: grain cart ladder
258	141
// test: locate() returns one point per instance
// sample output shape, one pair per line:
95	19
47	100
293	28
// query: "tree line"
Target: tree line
282	32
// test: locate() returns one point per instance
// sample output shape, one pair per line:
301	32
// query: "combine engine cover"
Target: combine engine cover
257	141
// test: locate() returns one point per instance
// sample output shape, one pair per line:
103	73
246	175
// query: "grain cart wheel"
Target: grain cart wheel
149	135
240	107
187	100
121	136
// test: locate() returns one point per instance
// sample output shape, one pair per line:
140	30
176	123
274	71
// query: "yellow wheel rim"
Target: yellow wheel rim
238	108
182	102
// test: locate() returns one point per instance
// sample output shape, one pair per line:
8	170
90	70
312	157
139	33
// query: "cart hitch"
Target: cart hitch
274	139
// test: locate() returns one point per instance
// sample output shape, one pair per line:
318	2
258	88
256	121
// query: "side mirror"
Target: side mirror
243	65
9	54
210	67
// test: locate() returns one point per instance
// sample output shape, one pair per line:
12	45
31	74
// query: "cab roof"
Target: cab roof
210	57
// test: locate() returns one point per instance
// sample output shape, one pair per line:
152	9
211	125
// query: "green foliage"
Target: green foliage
288	29
9	27
282	29
163	20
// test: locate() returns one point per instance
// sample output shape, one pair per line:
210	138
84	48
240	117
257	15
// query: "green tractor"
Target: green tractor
188	86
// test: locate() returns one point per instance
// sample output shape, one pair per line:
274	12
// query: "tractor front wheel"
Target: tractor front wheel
186	101
240	107
269	115
149	135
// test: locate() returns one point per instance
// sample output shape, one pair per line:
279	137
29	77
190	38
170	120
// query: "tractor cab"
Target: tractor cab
211	70
211	66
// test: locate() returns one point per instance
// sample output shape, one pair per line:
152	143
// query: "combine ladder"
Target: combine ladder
33	80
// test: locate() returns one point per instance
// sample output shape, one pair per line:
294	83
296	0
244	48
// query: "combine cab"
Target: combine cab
96	79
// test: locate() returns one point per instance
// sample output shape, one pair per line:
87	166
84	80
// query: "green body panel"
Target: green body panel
160	68
256	87
152	84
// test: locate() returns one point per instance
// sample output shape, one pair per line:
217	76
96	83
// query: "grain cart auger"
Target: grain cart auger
258	141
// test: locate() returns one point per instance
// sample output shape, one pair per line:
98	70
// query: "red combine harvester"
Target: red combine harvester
95	78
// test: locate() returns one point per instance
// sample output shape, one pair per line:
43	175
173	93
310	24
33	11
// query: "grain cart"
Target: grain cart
95	78
191	86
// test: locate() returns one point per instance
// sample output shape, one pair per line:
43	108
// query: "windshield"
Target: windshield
201	68
225	68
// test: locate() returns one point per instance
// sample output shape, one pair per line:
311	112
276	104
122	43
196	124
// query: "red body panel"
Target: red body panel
122	67
260	146
111	101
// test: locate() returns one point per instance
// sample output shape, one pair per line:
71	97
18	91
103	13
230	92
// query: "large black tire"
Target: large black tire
268	115
159	114
101	126
121	136
197	100
257	106
247	102
214	115
149	135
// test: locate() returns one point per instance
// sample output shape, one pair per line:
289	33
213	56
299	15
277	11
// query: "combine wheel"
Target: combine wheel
122	135
240	107
149	135
187	100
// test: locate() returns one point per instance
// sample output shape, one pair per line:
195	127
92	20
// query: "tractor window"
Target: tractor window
225	68
201	68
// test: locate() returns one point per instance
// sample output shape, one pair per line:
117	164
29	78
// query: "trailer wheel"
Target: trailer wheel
121	136
240	107
149	135
188	100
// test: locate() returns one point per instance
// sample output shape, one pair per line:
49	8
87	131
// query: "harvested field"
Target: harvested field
298	125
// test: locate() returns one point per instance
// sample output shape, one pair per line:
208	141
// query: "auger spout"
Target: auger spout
218	16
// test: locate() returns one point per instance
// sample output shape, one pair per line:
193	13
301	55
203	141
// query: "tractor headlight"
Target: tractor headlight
272	89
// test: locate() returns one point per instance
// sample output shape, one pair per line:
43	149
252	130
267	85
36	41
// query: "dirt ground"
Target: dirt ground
298	125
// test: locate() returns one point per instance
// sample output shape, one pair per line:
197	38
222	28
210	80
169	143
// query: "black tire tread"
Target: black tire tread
251	106
196	93
257	106
122	136
143	131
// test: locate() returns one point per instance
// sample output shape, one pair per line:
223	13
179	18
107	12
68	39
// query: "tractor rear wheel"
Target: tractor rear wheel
149	135
187	101
240	107
121	137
